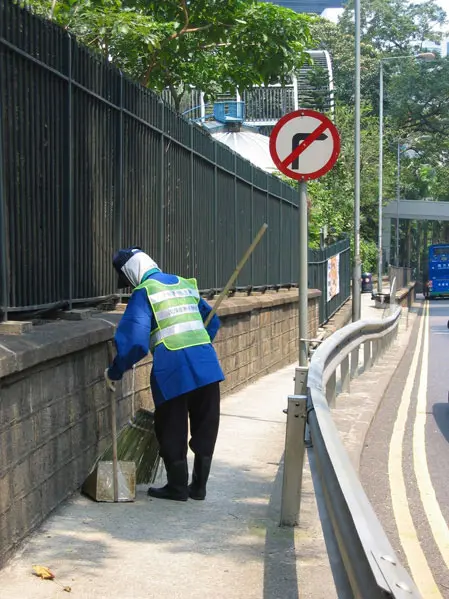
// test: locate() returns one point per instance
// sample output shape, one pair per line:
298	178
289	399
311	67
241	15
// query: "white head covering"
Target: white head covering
137	266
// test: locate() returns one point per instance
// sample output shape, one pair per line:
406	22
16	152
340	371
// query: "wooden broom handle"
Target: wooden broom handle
236	273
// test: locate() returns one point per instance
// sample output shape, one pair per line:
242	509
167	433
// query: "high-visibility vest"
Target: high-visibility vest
178	319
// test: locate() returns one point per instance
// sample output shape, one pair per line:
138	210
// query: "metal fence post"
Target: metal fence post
235	214
162	188
192	204
118	236
252	222
68	141
293	460
280	244
216	219
4	286
345	378
267	204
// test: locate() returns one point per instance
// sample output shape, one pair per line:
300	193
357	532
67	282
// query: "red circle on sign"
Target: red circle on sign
329	126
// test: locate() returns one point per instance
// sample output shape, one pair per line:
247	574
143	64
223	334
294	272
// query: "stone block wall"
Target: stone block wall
54	408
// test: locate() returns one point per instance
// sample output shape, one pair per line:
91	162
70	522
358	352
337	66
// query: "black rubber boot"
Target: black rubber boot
176	487
201	469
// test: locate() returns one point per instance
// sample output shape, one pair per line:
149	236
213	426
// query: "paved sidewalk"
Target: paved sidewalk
229	546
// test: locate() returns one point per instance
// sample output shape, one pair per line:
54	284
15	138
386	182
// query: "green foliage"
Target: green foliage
396	26
368	255
332	196
416	111
214	45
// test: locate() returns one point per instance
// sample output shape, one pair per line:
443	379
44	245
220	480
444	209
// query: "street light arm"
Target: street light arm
421	56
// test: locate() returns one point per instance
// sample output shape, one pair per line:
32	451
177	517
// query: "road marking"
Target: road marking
416	558
427	493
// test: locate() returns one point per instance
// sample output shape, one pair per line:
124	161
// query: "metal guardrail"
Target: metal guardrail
363	561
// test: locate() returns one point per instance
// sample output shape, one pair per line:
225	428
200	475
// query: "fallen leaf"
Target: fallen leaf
43	573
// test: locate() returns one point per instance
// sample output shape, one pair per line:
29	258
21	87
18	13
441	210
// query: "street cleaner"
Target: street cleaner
165	315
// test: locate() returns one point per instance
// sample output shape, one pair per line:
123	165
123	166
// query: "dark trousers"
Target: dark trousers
202	407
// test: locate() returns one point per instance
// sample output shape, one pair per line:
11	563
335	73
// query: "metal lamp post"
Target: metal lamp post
423	56
398	199
357	272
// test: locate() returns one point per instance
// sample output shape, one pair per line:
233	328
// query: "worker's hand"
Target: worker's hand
109	383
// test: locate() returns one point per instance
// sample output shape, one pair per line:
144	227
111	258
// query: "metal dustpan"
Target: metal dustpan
100	484
112	481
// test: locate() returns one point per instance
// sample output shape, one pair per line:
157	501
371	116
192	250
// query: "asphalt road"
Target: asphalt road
405	462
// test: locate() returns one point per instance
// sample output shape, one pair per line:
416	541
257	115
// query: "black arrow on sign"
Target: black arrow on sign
297	139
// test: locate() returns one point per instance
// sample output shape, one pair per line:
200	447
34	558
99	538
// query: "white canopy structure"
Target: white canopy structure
250	145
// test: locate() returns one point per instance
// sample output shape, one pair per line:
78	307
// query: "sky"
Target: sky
333	13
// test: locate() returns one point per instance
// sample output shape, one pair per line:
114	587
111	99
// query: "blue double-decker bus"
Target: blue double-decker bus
438	278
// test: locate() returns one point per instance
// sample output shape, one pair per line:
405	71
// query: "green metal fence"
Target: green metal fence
335	286
91	161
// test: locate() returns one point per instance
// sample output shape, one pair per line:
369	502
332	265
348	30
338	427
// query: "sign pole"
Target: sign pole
304	145
303	274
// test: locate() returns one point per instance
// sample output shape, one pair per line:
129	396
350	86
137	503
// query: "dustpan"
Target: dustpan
112	481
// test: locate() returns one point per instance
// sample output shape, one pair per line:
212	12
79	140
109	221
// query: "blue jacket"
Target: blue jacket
174	372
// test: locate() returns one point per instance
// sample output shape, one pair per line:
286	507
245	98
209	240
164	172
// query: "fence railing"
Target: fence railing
91	161
320	276
363	561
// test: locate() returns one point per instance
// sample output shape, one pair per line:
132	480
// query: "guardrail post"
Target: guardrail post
355	363
367	354
344	372
375	350
301	380
301	389
331	390
293	460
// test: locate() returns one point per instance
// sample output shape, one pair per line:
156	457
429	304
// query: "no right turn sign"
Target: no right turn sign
304	145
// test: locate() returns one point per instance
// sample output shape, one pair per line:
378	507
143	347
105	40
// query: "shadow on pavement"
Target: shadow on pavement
280	569
441	415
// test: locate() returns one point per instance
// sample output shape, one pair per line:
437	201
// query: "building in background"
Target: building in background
427	46
313	6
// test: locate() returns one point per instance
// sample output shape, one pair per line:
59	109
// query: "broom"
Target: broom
137	440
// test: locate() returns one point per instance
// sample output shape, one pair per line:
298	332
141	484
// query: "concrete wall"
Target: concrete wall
54	413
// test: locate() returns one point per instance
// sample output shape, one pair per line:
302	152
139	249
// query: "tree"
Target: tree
417	97
396	26
340	45
213	45
389	28
415	110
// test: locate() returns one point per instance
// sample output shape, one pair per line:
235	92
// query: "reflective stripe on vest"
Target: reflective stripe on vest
176	329
175	308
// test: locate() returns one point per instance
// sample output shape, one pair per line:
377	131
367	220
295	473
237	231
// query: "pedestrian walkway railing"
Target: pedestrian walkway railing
363	561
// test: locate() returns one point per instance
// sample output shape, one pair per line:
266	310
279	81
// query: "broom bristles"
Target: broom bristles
136	442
